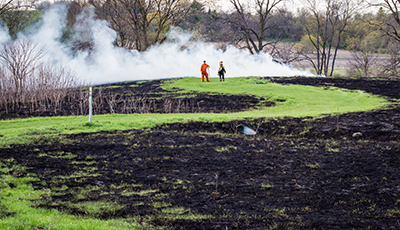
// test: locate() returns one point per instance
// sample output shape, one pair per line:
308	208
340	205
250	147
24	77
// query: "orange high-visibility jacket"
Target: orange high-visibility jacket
204	67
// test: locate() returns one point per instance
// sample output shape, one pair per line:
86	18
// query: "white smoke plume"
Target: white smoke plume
4	36
107	63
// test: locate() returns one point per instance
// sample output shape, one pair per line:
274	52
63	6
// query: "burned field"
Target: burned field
337	172
133	97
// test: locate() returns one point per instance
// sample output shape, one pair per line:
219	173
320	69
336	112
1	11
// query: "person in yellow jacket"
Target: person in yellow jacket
221	71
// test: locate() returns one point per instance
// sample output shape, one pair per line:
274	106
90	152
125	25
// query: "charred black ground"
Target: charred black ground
383	87
295	173
137	97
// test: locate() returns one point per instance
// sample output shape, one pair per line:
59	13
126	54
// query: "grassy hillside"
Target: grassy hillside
292	100
20	206
299	101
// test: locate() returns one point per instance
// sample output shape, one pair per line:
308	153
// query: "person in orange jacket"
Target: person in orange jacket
203	70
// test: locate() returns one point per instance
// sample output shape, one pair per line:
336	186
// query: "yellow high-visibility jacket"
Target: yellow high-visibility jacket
221	68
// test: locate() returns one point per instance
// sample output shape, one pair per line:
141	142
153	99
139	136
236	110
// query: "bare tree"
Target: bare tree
11	5
142	23
20	58
252	19
390	68
286	53
324	29
364	57
389	25
27	78
18	15
5	6
388	22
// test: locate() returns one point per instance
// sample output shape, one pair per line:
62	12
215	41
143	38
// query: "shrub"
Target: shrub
28	80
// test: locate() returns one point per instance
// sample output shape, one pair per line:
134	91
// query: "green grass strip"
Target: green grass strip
300	101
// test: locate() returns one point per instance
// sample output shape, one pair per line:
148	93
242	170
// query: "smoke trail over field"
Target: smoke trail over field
107	63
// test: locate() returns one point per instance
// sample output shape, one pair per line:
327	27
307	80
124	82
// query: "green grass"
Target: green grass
300	101
176	213
27	217
109	87
95	208
17	211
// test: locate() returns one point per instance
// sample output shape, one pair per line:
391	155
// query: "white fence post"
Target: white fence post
90	104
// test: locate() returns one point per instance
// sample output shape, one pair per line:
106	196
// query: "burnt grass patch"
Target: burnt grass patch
296	173
384	87
136	97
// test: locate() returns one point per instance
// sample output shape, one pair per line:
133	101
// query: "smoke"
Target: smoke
106	63
4	35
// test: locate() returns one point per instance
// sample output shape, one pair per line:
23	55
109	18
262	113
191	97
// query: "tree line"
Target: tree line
320	27
314	33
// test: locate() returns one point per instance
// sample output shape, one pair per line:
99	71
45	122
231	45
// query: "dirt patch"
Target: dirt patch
297	173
